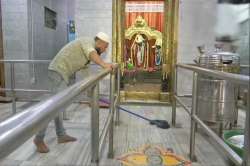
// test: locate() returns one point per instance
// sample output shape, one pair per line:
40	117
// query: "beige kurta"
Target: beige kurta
72	57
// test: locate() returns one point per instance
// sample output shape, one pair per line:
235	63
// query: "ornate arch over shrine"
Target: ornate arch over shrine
141	27
142	53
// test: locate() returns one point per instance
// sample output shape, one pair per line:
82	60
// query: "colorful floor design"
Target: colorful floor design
150	155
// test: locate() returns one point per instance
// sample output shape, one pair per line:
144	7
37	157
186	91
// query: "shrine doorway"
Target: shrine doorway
144	44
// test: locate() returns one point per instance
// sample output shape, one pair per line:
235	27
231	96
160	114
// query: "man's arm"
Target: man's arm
98	60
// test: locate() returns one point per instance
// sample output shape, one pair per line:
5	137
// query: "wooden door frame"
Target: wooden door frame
2	73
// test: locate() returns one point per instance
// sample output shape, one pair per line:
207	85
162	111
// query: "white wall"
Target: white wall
243	13
44	43
92	17
15	38
26	37
197	20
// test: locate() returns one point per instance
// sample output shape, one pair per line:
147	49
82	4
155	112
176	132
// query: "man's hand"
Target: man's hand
108	66
96	58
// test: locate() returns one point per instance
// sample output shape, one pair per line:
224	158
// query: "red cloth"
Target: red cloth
154	19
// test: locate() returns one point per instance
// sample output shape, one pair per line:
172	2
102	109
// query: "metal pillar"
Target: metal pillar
117	121
246	157
112	109
12	85
193	123
173	98
95	124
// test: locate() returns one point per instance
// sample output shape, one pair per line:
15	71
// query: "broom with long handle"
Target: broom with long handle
159	123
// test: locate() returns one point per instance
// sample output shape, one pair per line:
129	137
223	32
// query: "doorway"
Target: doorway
140	28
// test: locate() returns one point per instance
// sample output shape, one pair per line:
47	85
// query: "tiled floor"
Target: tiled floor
132	133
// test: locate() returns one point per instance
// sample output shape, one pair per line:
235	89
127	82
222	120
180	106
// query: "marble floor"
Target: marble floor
130	134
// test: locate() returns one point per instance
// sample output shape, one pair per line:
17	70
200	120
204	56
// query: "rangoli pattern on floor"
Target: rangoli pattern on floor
150	155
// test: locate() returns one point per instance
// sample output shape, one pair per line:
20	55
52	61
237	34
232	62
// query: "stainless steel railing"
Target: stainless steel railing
195	120
12	88
20	127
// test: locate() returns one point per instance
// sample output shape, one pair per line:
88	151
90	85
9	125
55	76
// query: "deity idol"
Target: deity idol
140	52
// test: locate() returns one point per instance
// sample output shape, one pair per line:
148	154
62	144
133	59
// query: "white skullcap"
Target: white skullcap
103	36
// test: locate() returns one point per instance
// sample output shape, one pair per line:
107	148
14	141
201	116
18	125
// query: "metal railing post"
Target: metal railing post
95	124
12	86
246	157
118	96
193	112
72	81
112	109
173	98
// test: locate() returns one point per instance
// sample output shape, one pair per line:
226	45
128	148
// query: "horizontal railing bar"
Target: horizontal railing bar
236	78
226	149
29	61
25	61
144	103
188	110
24	90
185	95
244	66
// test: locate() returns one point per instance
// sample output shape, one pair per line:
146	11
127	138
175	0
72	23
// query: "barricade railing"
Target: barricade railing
21	126
195	120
